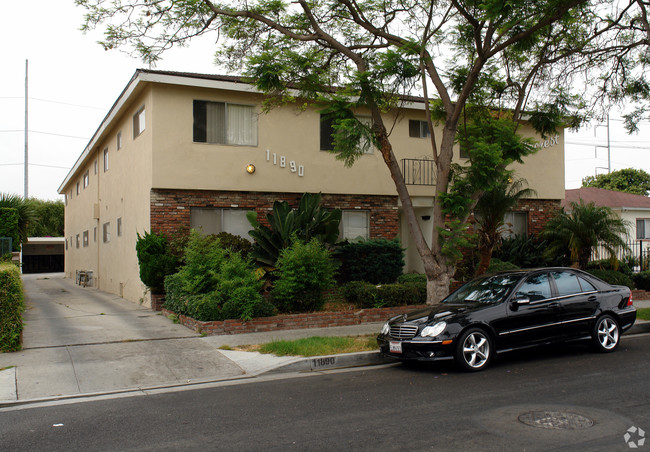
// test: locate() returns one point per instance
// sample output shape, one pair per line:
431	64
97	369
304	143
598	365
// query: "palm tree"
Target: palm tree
24	209
580	230
492	208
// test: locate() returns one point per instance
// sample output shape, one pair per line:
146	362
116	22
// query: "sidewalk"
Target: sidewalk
107	345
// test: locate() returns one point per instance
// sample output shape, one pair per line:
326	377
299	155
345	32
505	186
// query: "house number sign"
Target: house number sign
281	160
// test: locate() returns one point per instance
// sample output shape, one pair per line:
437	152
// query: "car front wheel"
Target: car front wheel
474	350
606	335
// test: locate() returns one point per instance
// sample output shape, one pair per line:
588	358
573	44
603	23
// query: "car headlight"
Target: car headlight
434	330
385	329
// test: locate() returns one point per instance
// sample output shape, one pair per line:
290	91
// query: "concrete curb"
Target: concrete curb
330	362
639	327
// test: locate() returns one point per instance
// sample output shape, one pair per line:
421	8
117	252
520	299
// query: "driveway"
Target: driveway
80	340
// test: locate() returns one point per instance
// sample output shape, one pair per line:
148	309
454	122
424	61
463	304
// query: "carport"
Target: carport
43	255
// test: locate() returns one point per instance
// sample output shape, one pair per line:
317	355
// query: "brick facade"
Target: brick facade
170	209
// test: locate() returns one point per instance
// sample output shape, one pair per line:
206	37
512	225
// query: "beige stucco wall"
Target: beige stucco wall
121	192
164	156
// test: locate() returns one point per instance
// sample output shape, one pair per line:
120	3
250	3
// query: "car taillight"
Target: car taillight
629	300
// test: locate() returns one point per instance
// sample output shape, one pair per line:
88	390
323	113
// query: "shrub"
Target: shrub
235	243
365	295
155	260
305	270
378	261
408	278
526	252
607	264
642	280
9	226
613	277
12	305
214	284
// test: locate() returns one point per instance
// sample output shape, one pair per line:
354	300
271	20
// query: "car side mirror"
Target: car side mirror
521	300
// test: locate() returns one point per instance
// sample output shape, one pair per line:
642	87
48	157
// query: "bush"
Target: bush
9	226
365	295
214	284
378	261
408	278
155	260
12	305
613	277
607	264
642	280
235	243
526	252
304	272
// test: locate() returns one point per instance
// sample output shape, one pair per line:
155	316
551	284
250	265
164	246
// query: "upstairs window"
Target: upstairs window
105	159
327	134
418	129
86	179
138	122
106	232
118	139
223	123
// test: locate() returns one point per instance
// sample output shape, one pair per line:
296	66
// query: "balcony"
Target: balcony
419	171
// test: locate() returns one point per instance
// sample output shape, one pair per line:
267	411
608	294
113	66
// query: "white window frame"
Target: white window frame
85	239
221	220
86	179
77	241
139	122
422	126
118	139
105	155
510	223
106	232
223	131
642	228
347	233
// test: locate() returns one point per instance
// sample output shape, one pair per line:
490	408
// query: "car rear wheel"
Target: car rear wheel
474	350
606	335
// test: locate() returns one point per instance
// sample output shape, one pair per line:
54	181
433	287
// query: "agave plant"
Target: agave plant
309	221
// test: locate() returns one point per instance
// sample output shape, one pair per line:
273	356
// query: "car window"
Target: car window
490	289
567	283
536	288
586	285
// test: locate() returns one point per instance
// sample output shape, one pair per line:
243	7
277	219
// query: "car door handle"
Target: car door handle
555	306
592	298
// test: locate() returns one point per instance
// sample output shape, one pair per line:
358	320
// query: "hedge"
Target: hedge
642	280
613	277
12	305
366	295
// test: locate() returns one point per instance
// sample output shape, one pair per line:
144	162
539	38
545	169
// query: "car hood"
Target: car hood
437	312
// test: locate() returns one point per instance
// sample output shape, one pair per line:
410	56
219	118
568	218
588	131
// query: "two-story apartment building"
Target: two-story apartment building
195	150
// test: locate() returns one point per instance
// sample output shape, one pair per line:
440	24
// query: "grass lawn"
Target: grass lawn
315	346
643	314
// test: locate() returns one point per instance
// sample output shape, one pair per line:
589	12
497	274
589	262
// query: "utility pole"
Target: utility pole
609	157
26	129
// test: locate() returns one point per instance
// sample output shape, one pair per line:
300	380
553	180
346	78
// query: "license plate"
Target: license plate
395	347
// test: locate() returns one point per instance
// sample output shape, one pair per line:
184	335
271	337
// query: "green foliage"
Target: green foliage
49	218
497	266
527	252
366	295
320	346
25	214
309	221
408	278
611	264
305	270
642	280
613	277
155	260
629	180
12	305
376	261
235	243
214	284
582	229
9	226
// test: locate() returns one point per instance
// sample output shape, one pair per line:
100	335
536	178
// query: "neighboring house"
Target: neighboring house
191	150
634	209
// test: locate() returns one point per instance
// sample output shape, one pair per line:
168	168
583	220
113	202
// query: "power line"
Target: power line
36	164
54	102
47	133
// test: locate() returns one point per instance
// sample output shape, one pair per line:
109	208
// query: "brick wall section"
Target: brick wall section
170	209
539	212
293	321
640	295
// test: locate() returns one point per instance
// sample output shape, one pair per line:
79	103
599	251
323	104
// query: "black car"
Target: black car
508	311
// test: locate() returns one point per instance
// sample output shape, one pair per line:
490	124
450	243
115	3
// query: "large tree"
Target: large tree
487	62
628	180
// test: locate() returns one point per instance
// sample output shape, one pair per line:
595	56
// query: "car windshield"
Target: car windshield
489	289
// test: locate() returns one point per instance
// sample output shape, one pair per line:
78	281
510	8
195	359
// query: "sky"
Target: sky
72	83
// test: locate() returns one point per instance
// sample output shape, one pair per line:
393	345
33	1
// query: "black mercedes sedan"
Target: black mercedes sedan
508	311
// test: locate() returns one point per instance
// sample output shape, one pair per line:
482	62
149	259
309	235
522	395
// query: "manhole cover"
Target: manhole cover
560	420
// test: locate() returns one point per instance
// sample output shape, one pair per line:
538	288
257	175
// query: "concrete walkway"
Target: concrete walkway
83	341
80	341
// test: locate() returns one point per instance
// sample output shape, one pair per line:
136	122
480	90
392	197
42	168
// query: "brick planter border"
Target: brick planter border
293	321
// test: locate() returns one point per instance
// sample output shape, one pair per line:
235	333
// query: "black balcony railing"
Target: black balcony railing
638	249
418	172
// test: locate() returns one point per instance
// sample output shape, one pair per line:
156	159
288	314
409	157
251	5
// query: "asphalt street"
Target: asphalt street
578	400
